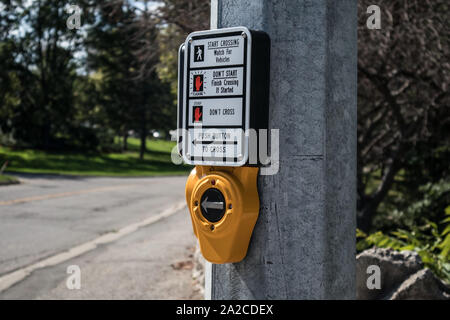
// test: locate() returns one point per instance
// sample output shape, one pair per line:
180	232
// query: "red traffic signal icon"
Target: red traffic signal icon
198	114
198	83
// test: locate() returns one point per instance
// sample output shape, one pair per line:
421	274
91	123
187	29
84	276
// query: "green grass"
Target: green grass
5	179
156	162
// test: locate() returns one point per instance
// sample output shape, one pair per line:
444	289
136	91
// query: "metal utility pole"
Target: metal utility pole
303	245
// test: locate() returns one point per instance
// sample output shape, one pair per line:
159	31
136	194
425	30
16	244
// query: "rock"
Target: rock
421	285
403	277
395	267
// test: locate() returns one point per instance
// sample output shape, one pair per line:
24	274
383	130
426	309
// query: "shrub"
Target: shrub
432	245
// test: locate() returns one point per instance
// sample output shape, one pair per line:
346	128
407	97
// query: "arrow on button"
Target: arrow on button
195	142
212	205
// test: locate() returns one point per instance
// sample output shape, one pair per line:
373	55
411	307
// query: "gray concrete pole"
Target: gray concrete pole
303	245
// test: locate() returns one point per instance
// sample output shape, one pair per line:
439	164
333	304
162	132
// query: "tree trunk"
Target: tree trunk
368	205
125	140
143	145
364	219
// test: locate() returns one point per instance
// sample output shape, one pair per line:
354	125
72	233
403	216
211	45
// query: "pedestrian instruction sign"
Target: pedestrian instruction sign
215	96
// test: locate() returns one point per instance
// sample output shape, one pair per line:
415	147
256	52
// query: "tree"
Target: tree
187	15
403	100
38	51
177	18
124	50
112	62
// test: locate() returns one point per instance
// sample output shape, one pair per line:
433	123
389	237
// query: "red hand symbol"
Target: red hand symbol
198	83
197	114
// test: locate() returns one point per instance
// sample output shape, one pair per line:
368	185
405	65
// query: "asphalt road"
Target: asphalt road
130	237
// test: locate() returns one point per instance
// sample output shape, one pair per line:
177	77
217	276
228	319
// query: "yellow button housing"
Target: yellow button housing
226	240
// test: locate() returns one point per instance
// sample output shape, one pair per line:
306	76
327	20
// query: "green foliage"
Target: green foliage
403	109
404	208
63	89
38	68
432	245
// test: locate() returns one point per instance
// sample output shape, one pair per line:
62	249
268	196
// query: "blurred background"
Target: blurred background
107	88
100	100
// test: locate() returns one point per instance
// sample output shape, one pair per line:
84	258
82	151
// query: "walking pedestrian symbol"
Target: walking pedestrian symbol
199	53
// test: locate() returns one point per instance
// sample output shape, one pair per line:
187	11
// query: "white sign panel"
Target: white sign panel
211	144
217	95
206	136
211	52
215	112
216	82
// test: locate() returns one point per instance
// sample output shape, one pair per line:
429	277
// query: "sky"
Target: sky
152	5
